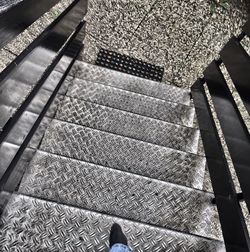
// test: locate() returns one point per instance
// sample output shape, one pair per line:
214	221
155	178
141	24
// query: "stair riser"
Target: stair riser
130	125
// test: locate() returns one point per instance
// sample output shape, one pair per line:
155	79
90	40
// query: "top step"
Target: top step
131	83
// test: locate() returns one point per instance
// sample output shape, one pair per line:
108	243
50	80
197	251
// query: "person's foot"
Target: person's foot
117	236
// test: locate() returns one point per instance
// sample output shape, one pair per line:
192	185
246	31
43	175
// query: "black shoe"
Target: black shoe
117	236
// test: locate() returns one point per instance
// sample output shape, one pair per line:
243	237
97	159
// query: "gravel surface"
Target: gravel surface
183	36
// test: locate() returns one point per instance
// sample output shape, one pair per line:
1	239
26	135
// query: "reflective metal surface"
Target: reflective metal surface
32	224
28	89
232	222
124	153
16	16
132	102
237	62
232	124
121	194
34	68
131	83
129	124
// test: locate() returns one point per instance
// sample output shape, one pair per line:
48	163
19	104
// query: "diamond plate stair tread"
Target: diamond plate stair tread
129	124
132	102
122	194
36	225
124	153
132	83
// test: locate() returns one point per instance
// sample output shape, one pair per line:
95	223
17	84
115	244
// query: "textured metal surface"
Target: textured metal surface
131	83
33	225
122	194
129	65
128	124
124	153
131	102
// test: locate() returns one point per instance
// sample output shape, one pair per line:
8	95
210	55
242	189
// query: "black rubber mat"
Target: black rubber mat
126	64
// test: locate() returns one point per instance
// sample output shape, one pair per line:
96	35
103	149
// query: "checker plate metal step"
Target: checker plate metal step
33	225
129	124
131	102
131	83
121	194
124	153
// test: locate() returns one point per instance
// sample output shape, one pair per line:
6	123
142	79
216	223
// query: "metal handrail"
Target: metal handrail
21	15
63	39
236	135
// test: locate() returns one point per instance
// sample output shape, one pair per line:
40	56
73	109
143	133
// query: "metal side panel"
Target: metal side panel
17	15
131	102
233	127
30	224
131	83
234	229
29	127
124	153
35	64
121	194
237	62
128	124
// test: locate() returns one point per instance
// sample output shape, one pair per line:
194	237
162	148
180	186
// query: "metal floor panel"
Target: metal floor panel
128	124
121	194
30	224
124	153
128	82
131	102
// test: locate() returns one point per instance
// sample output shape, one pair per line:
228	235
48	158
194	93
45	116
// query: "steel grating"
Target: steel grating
122	194
131	102
129	65
30	224
128	124
130	83
124	153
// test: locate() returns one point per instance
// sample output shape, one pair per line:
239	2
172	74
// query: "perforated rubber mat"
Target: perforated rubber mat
129	65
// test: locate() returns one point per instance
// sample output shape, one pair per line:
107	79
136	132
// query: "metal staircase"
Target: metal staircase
83	146
104	158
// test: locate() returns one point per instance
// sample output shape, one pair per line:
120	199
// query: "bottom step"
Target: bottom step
30	224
